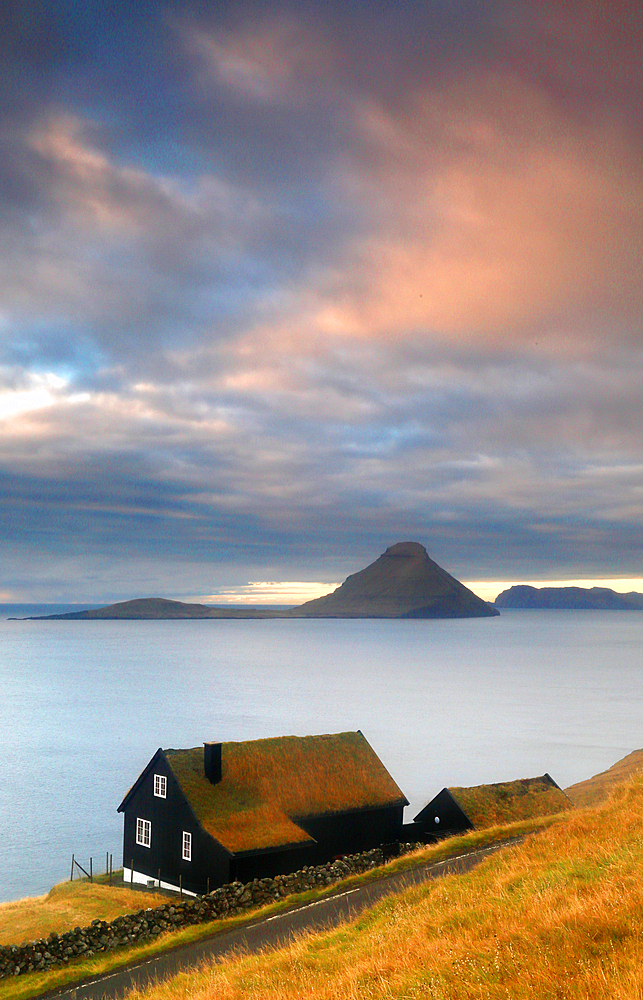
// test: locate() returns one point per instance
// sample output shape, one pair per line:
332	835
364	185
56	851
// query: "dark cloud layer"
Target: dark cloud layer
281	285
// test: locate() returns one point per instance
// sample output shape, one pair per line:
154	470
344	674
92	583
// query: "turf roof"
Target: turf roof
267	784
509	801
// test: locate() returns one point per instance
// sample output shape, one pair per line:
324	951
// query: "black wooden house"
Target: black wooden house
456	809
235	811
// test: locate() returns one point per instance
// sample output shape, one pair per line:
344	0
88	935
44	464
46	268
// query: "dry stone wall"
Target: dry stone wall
145	925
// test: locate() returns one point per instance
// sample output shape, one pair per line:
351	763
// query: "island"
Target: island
568	598
403	583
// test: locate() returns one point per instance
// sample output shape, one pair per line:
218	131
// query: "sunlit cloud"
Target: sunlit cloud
267	592
43	391
499	218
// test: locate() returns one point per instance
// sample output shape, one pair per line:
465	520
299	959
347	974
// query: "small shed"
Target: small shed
222	812
457	809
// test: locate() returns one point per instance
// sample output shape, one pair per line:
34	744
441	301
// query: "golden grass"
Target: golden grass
267	784
37	983
510	801
597	788
68	905
560	916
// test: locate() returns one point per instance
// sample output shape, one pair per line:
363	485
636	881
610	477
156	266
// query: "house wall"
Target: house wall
451	817
350	832
170	817
267	864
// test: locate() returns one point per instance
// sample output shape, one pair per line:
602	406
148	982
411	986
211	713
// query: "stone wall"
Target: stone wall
145	925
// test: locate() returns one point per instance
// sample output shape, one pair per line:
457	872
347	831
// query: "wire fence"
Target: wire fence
76	867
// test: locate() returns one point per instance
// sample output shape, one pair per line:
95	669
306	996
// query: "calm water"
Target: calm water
85	704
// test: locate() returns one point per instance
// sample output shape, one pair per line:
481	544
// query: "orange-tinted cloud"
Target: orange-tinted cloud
495	216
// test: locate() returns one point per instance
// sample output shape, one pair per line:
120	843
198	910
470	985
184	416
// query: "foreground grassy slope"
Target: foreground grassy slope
38	983
559	916
68	905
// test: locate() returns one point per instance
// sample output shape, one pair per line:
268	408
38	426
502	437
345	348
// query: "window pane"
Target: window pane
143	832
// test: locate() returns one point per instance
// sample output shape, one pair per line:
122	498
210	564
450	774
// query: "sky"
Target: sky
282	284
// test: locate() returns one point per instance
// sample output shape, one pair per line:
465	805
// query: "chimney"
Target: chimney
212	762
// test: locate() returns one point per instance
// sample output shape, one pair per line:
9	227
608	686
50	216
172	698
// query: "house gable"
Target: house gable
443	814
131	793
161	813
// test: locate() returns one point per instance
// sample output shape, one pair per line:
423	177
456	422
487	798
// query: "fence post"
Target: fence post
91	877
107	862
208	892
159	877
111	868
181	885
131	874
71	877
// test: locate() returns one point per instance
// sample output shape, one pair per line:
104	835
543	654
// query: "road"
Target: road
270	932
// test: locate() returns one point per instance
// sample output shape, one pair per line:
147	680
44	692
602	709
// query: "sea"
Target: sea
85	704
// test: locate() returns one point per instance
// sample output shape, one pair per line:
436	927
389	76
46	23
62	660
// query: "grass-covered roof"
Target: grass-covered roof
509	801
266	785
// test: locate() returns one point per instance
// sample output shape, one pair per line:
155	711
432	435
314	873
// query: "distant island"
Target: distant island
403	583
569	598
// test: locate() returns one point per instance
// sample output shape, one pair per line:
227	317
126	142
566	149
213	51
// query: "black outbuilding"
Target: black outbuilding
456	809
201	817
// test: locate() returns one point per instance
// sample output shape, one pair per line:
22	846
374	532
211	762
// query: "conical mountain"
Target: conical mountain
403	583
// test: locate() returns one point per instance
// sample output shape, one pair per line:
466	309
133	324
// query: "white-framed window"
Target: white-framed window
144	832
187	846
160	786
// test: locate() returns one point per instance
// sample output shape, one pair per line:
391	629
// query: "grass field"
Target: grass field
68	905
34	984
560	916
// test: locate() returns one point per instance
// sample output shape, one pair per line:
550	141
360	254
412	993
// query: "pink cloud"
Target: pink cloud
267	60
495	215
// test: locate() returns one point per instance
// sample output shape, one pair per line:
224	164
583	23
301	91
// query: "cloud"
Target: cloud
271	592
42	391
497	218
280	289
270	59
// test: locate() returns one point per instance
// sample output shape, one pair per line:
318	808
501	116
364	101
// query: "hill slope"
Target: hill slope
597	788
558	916
403	583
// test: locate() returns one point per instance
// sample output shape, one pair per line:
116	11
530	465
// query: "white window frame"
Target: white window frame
186	848
160	786
143	832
